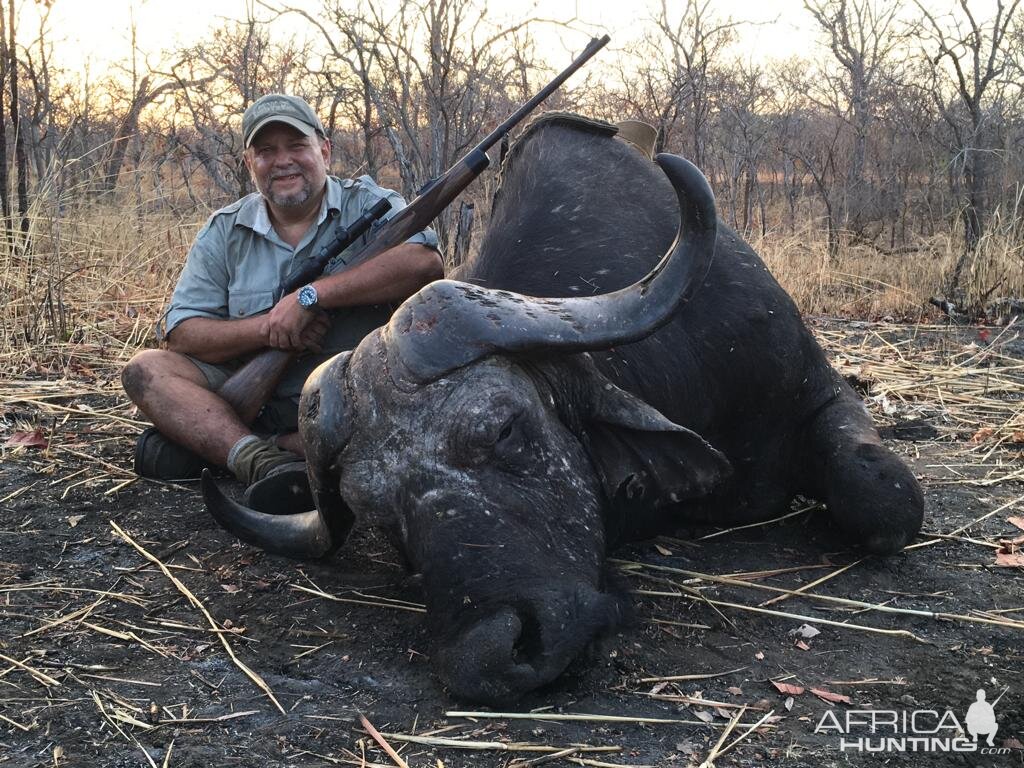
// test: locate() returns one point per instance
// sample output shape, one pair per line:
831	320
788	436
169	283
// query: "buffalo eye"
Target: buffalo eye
490	436
506	431
491	432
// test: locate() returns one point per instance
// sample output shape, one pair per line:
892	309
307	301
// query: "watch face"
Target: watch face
307	296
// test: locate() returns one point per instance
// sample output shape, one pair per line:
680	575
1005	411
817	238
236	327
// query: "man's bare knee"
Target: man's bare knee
138	375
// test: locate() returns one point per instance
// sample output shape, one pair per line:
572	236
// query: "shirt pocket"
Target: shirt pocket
248	303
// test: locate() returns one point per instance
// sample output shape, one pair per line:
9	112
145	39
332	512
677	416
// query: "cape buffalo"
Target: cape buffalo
510	440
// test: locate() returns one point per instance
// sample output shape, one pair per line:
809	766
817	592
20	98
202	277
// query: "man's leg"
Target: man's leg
172	391
280	418
292	442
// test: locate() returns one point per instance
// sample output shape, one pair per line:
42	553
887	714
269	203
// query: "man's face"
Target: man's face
287	166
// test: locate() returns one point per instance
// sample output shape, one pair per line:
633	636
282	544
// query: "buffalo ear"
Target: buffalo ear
643	458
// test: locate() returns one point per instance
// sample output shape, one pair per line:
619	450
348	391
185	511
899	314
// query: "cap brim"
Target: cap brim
295	123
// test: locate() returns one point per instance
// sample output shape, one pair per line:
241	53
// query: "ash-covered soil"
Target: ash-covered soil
107	662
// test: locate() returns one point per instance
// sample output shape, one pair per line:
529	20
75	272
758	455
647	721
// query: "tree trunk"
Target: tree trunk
5	185
20	158
125	130
973	216
976	181
464	233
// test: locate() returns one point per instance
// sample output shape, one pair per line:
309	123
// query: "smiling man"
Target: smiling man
225	307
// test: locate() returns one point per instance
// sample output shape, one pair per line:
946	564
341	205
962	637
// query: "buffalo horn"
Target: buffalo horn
449	324
302	535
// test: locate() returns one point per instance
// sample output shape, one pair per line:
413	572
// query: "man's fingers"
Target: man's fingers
296	329
313	337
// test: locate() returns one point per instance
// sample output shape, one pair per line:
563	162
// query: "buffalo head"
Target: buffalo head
476	426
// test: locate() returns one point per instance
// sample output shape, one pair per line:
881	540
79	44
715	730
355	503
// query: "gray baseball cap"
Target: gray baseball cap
279	108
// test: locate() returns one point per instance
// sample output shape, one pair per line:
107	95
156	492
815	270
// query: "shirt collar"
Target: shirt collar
252	210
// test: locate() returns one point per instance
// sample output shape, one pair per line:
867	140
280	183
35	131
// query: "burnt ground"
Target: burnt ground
107	663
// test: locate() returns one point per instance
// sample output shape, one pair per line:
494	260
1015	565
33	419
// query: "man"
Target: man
223	308
981	719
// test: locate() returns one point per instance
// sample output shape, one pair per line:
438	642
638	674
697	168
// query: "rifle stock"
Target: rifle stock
252	385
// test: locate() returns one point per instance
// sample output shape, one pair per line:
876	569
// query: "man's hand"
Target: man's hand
314	333
294	328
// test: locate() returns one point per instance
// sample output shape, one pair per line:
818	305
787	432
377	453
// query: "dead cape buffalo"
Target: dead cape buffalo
510	440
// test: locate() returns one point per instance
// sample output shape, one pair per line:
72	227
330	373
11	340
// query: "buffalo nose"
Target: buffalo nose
524	644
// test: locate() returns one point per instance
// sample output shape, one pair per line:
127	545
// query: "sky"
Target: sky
98	31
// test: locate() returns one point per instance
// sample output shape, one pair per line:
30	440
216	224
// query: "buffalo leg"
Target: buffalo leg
871	495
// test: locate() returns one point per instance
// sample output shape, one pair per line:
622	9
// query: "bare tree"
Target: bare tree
814	140
742	132
860	34
20	158
5	185
431	100
214	82
968	60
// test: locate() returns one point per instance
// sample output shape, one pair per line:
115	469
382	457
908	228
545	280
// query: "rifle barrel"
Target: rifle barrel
595	45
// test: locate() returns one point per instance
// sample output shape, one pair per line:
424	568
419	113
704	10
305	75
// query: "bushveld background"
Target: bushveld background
879	170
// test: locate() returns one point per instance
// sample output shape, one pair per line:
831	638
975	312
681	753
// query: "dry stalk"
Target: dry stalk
501	746
382	742
698	702
746	733
202	609
761	524
125	636
812	584
124	680
544	759
708	761
600	764
16	724
200	720
938	615
80	613
579	718
679	678
375	603
131	739
787	615
41	677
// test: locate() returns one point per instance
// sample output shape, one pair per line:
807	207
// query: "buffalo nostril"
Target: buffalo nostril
528	645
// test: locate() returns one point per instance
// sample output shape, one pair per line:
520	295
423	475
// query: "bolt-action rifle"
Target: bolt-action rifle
252	385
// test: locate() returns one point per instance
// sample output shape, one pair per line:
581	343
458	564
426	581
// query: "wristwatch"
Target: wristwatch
307	296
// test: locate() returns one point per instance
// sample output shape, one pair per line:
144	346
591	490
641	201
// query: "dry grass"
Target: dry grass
868	284
92	282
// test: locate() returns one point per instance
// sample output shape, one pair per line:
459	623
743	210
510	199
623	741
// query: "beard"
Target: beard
292	199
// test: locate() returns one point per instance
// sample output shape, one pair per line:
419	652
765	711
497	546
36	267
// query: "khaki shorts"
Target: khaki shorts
279	416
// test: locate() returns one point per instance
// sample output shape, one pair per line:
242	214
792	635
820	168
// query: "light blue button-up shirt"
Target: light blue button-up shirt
237	264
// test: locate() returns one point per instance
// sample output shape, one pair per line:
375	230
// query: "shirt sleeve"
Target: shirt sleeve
202	289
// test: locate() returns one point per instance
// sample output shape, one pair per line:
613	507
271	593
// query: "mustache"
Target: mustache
287	172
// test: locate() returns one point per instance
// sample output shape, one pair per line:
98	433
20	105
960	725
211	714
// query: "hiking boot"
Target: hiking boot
159	458
283	491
